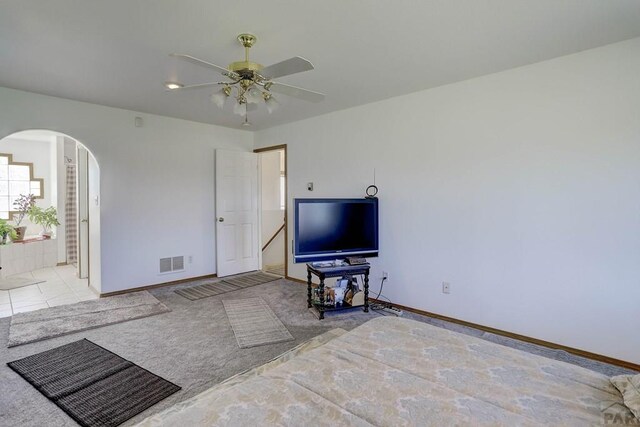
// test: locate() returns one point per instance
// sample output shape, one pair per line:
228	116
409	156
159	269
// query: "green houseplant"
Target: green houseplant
6	229
22	206
47	218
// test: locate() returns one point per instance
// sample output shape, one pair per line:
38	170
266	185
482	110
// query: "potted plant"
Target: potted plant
22	205
47	218
6	229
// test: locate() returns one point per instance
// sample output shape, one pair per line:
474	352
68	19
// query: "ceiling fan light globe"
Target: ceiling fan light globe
239	109
272	104
218	98
254	96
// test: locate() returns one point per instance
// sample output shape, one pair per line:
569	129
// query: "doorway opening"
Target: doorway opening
273	209
55	258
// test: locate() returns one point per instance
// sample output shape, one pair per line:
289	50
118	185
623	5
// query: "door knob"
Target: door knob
220	219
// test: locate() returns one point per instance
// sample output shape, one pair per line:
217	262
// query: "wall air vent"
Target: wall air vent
178	263
167	265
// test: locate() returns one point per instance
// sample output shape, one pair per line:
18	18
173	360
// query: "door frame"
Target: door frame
94	282
236	165
286	203
82	198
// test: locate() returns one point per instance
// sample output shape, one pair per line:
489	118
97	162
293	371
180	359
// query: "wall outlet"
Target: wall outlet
446	288
385	275
310	186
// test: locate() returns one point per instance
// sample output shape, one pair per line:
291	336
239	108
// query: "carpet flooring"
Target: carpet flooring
278	270
228	284
43	324
96	387
194	346
254	323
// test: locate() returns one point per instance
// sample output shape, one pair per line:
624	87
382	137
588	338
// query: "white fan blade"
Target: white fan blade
197	61
296	92
293	65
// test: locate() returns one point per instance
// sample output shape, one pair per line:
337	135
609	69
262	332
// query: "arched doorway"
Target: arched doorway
61	178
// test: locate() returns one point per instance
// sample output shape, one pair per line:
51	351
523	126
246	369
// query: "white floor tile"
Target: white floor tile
28	301
30	308
49	286
69	280
67	267
86	290
72	279
66	271
4	297
79	286
60	286
26	275
63	299
86	296
56	292
46	274
23	293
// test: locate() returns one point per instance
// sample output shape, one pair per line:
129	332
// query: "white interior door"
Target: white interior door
237	244
83	212
93	190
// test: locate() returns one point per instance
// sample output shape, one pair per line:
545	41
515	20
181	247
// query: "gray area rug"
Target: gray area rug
92	385
9	283
254	323
65	319
227	285
197	334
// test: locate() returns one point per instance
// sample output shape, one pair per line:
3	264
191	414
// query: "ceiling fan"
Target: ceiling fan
249	82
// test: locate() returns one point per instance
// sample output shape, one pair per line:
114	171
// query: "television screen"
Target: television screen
335	228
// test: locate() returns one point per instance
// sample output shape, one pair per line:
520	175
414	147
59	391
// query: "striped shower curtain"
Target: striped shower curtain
71	218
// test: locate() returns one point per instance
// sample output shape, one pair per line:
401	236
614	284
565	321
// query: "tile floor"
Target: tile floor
60	286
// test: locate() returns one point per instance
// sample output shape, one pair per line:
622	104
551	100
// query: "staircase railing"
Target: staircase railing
273	237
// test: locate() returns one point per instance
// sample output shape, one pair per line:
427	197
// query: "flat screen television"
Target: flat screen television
327	229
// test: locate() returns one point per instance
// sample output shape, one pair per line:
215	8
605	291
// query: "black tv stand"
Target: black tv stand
336	271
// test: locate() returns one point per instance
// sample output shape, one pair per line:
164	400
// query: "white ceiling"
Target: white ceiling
115	52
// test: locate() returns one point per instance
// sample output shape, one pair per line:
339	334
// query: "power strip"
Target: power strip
393	310
387	309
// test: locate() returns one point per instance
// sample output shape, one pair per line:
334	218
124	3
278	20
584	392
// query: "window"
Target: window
282	181
16	178
282	195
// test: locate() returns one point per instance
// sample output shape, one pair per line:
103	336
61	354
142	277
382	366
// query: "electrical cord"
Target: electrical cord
381	286
377	307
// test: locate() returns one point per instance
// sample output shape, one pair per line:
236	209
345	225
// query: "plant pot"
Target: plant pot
20	233
46	234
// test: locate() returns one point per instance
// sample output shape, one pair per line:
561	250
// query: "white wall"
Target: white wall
519	188
157	182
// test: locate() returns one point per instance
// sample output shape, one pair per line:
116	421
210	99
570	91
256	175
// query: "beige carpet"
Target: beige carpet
65	319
